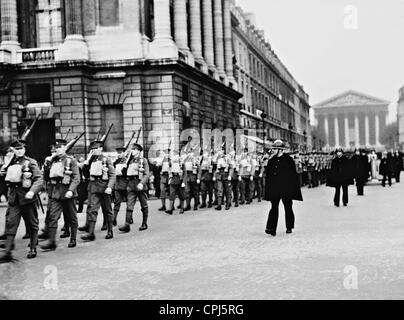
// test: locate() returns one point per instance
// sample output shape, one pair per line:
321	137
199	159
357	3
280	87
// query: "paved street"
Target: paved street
227	255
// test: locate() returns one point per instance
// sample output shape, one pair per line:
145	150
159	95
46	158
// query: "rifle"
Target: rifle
129	147
130	141
40	203
71	144
98	135
105	136
67	134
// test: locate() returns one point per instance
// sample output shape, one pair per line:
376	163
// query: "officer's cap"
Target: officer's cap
120	149
279	144
339	150
60	143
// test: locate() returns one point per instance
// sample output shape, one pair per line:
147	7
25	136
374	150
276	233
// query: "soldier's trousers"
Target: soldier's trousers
223	190
258	187
207	189
164	187
338	194
246	185
235	186
97	200
30	215
176	190
273	215
119	197
68	207
132	197
192	191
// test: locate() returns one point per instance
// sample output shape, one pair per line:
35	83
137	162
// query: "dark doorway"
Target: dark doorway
39	141
113	114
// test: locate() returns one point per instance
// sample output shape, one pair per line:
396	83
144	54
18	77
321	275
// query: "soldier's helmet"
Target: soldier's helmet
279	144
18	144
96	144
137	147
60	143
120	149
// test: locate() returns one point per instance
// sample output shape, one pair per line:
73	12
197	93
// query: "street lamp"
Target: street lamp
290	127
305	139
263	117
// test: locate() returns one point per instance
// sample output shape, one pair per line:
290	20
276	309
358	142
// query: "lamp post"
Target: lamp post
263	117
290	127
305	140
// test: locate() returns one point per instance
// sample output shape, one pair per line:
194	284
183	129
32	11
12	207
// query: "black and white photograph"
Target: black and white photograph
201	150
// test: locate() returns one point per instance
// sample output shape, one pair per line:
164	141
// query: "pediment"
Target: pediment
351	98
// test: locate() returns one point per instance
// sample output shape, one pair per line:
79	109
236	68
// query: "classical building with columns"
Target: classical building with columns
84	64
267	86
352	120
400	117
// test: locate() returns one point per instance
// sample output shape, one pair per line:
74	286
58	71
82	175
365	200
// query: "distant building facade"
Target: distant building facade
352	120
267	86
400	117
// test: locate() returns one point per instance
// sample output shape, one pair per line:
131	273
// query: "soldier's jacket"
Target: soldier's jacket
62	174
223	168
15	180
176	173
191	169
246	166
234	166
141	173
121	182
101	174
205	169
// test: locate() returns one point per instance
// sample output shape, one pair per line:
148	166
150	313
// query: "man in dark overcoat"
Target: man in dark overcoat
361	170
281	183
340	176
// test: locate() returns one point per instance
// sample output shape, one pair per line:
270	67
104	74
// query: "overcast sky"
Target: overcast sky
312	39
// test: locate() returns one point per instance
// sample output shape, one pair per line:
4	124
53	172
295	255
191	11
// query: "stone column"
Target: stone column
196	32
346	127
218	30
181	29
326	130
228	48
74	46
163	45
208	50
367	143
357	141
9	27
377	129
336	131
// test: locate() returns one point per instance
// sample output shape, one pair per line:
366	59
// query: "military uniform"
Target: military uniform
176	183
138	172
164	179
121	184
247	180
24	178
101	175
222	178
235	178
206	179
191	180
258	178
62	175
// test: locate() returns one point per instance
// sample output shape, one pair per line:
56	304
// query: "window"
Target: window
38	92
48	23
185	92
109	12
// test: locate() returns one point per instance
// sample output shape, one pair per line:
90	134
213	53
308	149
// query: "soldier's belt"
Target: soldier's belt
55	181
14	185
133	178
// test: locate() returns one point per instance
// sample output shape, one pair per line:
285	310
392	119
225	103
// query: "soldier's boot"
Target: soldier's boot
44	235
104	225
219	204
51	244
7	256
126	227
171	210
73	236
145	213
66	233
163	205
114	222
110	233
34	242
85	227
203	205
179	206
90	234
196	203
182	206
228	203
188	204
27	234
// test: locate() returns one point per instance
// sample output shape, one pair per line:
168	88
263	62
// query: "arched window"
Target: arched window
109	12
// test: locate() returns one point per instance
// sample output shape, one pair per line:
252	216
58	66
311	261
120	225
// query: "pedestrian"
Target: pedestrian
398	157
387	168
138	174
61	172
340	176
25	181
361	170
281	183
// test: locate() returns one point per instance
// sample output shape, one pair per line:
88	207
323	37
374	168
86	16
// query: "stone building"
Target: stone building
352	120
160	65
400	117
267	86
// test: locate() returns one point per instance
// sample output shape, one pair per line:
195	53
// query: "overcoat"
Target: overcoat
281	179
340	172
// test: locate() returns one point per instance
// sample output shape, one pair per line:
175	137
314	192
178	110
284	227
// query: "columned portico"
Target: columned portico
9	27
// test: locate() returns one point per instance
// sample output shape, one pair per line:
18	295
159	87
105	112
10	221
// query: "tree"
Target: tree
318	137
389	136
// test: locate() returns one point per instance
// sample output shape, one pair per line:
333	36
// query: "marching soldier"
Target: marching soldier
222	178
102	178
25	181
138	174
206	179
176	183
191	180
247	179
62	175
235	177
164	178
121	183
